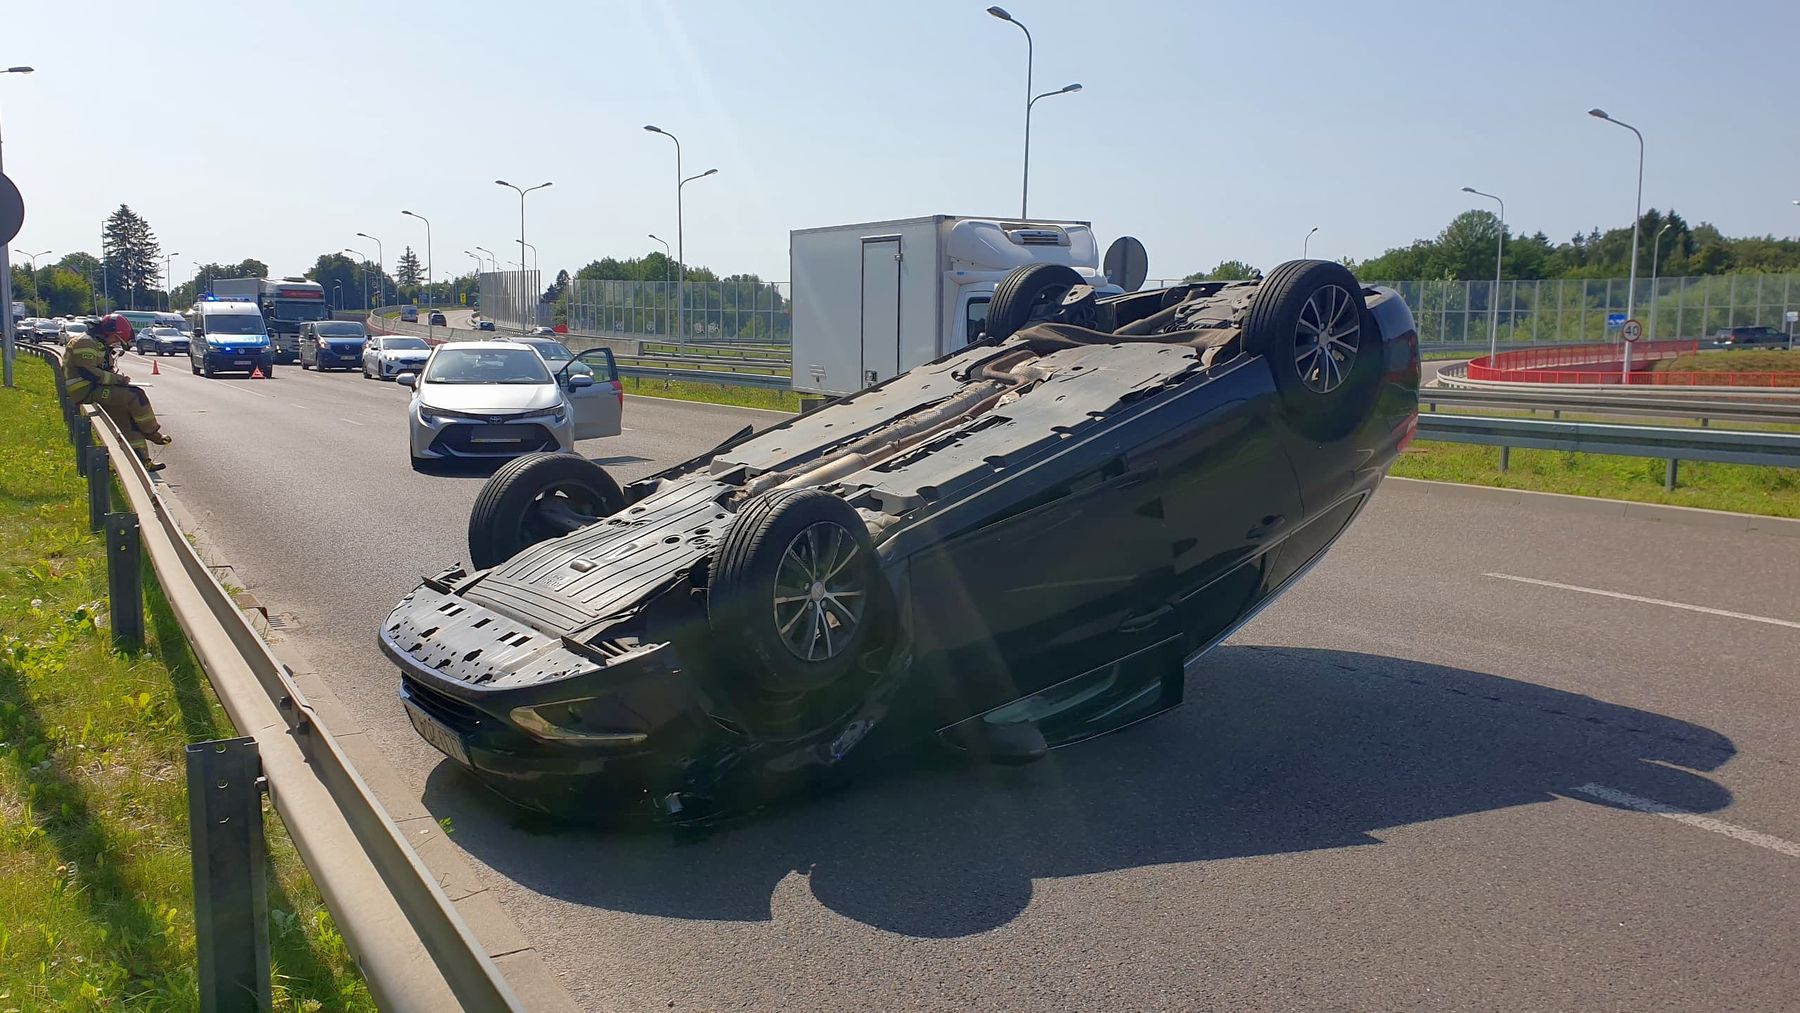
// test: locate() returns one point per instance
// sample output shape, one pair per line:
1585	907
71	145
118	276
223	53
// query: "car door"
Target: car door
371	351
599	409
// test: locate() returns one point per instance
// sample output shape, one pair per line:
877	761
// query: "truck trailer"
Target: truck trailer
875	299
285	305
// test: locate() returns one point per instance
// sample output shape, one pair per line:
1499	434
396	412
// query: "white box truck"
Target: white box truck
878	298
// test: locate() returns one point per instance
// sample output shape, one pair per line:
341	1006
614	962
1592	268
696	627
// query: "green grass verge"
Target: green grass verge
1744	361
96	897
1742	488
710	393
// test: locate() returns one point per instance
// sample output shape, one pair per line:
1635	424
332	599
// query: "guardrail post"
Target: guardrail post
1669	475
99	486
124	580
81	433
231	901
1505	457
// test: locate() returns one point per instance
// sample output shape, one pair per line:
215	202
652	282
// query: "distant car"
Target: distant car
547	331
410	314
437	319
332	344
47	329
70	329
1751	337
387	356
481	323
162	341
488	399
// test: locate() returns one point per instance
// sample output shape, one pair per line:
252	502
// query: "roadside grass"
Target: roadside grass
1743	361
96	898
1743	488
725	394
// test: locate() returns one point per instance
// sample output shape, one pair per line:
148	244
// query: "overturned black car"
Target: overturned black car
1017	546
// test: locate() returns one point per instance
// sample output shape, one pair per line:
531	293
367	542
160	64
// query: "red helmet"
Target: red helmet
113	328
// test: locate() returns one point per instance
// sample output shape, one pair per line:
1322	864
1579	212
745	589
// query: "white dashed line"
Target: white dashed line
351	421
297	405
1649	601
1655	808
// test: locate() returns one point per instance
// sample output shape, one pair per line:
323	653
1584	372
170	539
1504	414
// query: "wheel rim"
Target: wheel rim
1326	339
819	594
558	510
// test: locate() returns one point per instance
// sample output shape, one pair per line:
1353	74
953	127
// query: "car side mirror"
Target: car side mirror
199	332
580	380
407	379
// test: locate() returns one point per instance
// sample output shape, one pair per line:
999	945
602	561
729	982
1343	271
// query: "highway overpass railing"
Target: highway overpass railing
415	949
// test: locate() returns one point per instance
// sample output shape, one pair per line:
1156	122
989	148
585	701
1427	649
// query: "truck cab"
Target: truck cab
873	300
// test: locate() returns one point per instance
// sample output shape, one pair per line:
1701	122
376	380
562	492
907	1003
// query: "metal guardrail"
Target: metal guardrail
1672	444
415	950
1600	403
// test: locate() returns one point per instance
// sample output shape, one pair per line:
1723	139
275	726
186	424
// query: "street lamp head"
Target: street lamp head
1599	114
1068	88
365	235
1000	12
502	182
18	70
1470	189
709	172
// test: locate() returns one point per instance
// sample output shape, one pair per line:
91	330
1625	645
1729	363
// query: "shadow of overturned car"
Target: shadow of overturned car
1277	750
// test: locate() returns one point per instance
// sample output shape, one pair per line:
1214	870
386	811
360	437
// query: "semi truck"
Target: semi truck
285	305
875	299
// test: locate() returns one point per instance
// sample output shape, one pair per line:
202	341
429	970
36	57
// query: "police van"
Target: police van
230	336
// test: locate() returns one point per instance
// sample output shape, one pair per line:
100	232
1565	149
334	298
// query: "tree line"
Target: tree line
1464	251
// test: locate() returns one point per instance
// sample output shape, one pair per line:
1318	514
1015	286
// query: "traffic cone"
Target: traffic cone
257	374
155	370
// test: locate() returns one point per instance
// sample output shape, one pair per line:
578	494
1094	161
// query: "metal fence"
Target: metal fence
714	311
1590	309
514	299
1552	311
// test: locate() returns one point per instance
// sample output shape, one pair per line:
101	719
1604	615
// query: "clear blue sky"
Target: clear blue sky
1208	129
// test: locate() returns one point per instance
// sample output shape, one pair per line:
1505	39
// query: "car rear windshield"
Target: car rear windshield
346	329
486	365
552	351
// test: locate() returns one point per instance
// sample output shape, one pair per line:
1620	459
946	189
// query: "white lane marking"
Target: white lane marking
1649	601
298	405
1655	808
351	421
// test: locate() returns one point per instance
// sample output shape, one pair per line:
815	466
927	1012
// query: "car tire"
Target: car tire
807	543
193	367
1024	292
535	498
1309	323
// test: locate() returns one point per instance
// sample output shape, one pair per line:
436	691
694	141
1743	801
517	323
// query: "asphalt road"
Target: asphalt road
1411	784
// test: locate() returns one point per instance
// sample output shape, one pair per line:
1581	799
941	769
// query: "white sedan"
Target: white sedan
386	356
490	399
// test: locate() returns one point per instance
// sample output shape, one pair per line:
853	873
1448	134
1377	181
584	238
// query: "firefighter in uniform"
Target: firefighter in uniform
91	379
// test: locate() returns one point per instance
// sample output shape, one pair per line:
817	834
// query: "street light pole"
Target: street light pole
428	326
1067	89
1655	249
380	267
491	258
534	257
1637	213
1494	296
7	338
365	275
680	243
1306	244
169	280
523	305
1025	180
668	258
35	295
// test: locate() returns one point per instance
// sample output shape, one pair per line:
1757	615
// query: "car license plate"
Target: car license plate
441	738
243	362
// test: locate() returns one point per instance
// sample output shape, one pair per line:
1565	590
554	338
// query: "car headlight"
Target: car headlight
432	415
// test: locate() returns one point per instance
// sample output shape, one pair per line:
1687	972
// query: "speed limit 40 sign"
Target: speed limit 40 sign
1631	331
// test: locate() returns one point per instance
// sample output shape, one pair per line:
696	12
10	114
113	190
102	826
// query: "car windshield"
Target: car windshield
403	344
76	328
295	309
164	332
552	351
235	323
486	365
344	329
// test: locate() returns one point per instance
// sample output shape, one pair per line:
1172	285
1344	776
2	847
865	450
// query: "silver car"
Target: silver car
387	356
488	399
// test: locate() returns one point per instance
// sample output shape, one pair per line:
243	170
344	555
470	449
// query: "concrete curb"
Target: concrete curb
531	979
1659	512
